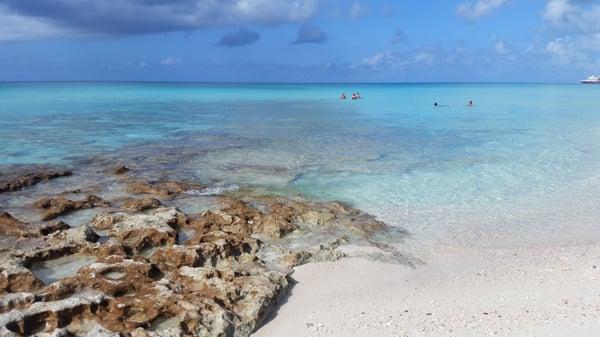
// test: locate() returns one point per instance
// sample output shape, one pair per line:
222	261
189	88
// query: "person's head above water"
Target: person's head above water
435	104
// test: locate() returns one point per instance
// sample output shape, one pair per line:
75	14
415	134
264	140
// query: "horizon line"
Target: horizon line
285	82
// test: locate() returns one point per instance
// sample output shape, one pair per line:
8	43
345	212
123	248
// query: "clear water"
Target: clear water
54	270
521	166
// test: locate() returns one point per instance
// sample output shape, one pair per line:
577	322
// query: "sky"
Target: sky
300	40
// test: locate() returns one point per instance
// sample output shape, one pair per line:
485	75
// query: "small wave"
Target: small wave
213	190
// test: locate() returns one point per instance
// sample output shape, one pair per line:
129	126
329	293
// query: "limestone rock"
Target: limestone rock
11	226
139	231
165	188
55	207
138	205
14	277
48	316
121	169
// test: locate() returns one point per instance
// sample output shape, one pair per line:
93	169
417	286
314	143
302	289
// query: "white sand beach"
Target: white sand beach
535	291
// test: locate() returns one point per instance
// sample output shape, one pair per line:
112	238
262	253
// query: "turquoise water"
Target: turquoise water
522	165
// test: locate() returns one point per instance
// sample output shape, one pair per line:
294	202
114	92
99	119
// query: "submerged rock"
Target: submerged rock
15	182
138	205
164	188
55	207
121	169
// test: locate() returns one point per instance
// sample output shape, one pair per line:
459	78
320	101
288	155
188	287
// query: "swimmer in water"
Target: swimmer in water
435	104
358	95
343	95
470	103
354	96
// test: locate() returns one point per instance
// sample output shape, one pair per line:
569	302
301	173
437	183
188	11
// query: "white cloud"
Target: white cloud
357	10
557	10
479	8
579	53
501	48
170	61
583	15
388	61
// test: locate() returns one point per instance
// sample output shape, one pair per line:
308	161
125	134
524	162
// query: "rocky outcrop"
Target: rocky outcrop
126	274
11	226
121	169
14	277
55	207
140	231
163	188
41	316
12	182
138	205
50	228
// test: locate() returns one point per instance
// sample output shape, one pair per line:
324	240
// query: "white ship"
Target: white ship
592	80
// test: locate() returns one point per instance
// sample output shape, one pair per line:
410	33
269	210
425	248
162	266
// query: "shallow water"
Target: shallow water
115	275
163	324
520	167
184	235
57	269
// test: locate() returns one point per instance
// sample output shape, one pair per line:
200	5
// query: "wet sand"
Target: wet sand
537	291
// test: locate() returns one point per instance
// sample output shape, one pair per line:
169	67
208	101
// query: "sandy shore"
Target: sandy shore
469	292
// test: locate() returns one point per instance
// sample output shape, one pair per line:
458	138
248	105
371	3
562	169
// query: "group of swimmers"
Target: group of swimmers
355	95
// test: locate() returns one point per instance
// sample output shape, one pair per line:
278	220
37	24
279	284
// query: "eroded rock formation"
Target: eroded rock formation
128	273
57	206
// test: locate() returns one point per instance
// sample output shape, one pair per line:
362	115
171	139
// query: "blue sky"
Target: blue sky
300	40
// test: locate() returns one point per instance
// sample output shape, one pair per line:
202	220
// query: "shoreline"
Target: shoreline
89	253
370	289
552	291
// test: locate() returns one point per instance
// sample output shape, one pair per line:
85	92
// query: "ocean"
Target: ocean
520	167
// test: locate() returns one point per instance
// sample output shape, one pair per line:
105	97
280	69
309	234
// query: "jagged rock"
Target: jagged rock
47	229
12	301
99	331
222	281
248	294
11	226
48	316
112	276
11	183
138	205
162	188
74	236
139	231
58	206
14	277
319	217
177	256
121	169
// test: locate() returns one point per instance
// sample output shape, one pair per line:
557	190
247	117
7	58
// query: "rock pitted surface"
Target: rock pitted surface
223	280
57	206
11	226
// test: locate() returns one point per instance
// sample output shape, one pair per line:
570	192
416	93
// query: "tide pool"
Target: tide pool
521	166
